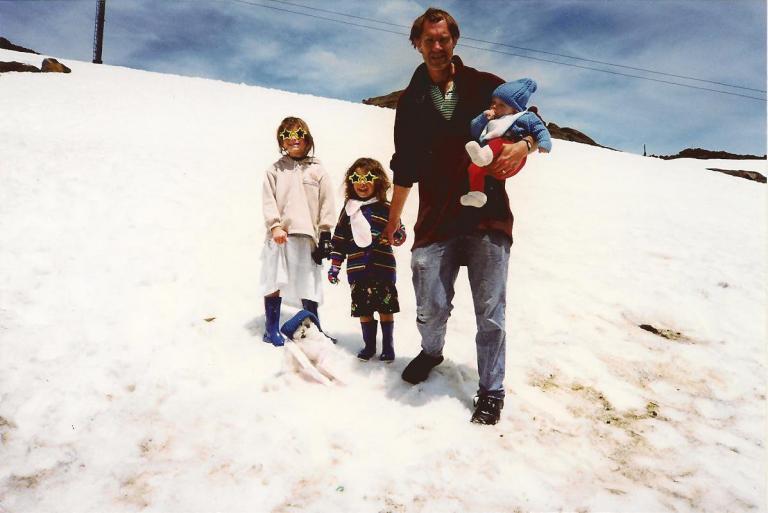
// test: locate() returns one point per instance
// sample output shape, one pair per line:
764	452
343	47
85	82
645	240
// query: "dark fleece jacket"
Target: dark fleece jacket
430	150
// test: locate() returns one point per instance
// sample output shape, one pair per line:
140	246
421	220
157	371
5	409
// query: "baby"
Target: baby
507	118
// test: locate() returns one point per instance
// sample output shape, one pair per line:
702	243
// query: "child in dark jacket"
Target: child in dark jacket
509	118
370	260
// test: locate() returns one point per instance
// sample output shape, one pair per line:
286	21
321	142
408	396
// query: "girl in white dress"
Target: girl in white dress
299	212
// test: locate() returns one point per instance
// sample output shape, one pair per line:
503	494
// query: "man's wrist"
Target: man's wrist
528	144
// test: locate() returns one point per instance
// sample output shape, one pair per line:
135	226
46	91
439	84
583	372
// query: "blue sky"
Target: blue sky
241	41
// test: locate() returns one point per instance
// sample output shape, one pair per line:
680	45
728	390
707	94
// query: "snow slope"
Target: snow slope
130	213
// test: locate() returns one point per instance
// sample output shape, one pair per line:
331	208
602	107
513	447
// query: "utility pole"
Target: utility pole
98	36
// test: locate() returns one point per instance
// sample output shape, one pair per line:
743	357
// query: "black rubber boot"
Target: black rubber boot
272	321
369	337
420	367
387	342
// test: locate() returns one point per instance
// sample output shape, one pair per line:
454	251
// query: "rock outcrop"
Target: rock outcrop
17	66
570	134
699	153
53	66
7	45
388	101
749	175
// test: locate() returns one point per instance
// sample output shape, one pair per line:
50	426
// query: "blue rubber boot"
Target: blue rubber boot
272	321
387	342
369	337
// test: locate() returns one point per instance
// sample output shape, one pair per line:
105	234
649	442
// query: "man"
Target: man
431	128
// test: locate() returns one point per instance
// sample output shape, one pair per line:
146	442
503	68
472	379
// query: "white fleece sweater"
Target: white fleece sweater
298	196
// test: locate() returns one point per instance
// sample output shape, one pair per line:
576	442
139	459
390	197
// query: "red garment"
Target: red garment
430	150
477	174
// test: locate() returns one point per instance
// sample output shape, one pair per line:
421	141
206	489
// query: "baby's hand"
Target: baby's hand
489	114
279	235
542	150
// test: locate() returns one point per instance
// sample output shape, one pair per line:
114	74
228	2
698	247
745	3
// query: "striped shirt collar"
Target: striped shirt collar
445	104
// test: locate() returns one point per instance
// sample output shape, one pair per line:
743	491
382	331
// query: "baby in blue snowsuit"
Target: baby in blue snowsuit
507	118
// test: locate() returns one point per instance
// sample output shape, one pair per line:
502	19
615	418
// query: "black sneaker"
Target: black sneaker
420	367
487	409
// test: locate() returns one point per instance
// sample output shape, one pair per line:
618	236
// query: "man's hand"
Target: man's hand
509	161
398	238
399	195
279	235
388	234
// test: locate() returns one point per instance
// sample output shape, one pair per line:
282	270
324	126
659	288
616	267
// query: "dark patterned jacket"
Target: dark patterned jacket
430	150
377	261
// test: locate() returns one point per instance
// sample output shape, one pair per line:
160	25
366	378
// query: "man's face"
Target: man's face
436	45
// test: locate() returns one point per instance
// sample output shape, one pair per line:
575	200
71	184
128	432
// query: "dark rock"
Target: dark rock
665	333
51	65
749	175
570	134
699	153
17	66
7	45
388	101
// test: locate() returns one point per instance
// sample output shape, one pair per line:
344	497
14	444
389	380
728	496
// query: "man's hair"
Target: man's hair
380	186
433	15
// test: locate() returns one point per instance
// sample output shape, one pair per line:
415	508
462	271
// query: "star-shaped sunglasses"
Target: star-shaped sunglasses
363	179
299	133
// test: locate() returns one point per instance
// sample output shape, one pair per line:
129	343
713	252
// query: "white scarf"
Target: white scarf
361	228
497	127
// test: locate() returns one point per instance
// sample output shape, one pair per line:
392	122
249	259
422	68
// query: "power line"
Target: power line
527	49
589	68
616	73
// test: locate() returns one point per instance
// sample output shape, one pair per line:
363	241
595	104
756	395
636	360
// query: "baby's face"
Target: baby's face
501	108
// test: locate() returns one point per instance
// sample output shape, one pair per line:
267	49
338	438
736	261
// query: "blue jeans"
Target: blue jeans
435	267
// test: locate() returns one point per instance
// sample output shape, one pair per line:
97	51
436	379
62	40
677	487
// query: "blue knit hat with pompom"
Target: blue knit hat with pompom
290	326
516	93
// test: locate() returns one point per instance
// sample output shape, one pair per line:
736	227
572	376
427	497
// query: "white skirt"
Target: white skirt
290	269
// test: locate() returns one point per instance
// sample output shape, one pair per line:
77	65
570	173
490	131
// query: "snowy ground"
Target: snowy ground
130	213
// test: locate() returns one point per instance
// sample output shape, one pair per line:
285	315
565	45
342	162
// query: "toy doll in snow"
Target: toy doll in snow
310	353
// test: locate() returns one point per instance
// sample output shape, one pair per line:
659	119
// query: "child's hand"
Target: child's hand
279	235
542	150
333	274
489	114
